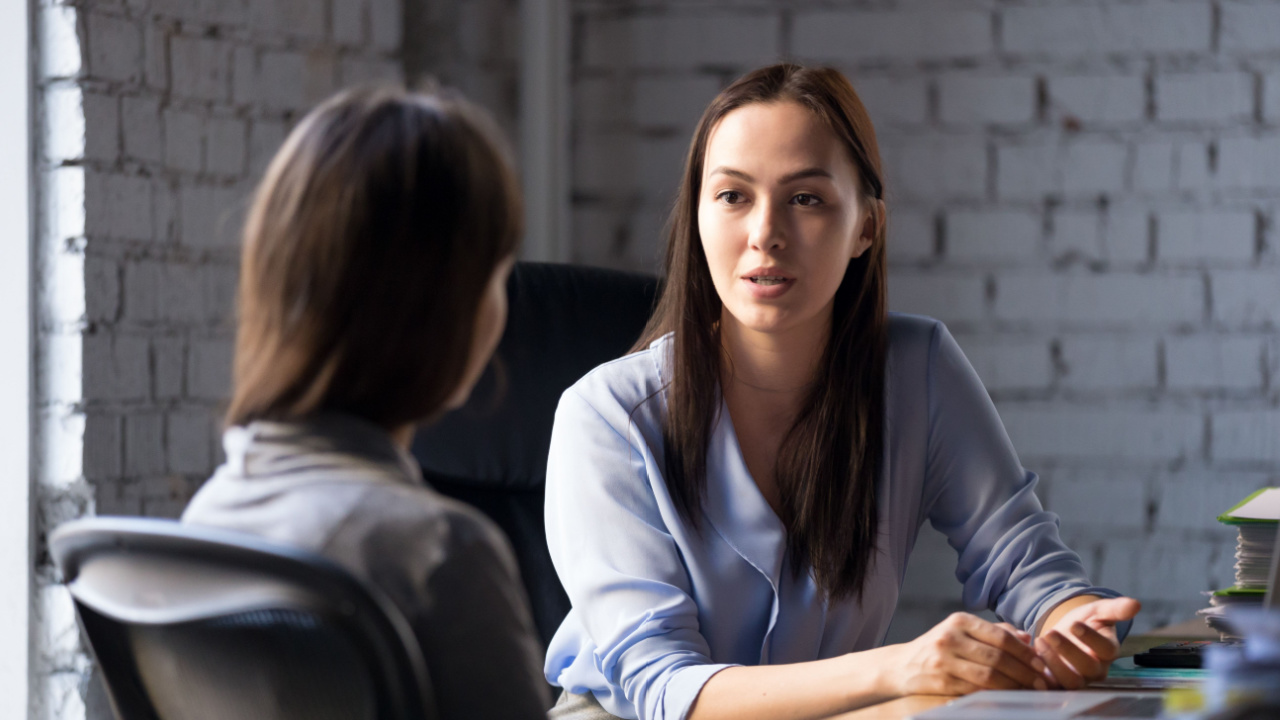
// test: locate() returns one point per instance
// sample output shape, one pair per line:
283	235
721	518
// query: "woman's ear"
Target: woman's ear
870	227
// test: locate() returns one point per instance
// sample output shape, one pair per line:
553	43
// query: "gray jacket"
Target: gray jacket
337	485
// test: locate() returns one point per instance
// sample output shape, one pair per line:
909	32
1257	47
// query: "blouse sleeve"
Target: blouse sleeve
1011	558
609	540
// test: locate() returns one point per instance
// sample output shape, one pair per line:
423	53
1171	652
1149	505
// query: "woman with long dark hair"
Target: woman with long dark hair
372	295
731	507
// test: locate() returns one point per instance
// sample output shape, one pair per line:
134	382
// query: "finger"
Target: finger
984	677
1004	640
1081	659
1103	645
1023	637
1015	669
1064	674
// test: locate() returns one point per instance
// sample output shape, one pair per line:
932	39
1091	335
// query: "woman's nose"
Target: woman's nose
767	231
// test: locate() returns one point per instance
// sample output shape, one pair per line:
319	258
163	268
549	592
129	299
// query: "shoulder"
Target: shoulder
619	388
913	339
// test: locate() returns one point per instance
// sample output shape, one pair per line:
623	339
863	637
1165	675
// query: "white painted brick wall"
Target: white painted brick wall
156	121
1084	190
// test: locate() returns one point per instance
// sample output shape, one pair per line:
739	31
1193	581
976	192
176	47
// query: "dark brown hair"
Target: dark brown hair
367	249
830	460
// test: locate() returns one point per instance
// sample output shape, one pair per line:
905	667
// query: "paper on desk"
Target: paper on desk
1263	505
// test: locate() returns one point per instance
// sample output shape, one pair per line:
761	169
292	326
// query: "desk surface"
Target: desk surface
907	706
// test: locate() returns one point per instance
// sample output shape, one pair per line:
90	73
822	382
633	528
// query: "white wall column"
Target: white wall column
544	128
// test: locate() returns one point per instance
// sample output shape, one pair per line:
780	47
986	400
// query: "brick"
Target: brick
1153	168
601	103
1193	166
597	235
950	298
62	290
1128	235
144	444
356	70
1271	97
1099	98
188	445
899	35
1026	172
59	43
321	70
244	75
1246	298
659	164
1077	235
183	141
201	68
992	235
155	60
1200	362
1114	300
142	291
1109	364
1246	436
209	369
168	358
911	236
1093	168
179	298
103	446
931	570
301	18
1056	432
115	367
681	41
1204	97
1159	569
140	121
1105	501
965	99
936	168
894	100
62	199
265	137
114	48
385	24
101	289
1193	501
165	210
1249	163
604	163
227	145
64	124
221	284
1009	363
208	216
348	22
102	127
1249	27
673	102
1085	31
1206	237
117	205
281	81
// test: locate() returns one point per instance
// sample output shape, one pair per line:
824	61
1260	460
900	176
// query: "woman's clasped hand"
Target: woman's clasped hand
966	653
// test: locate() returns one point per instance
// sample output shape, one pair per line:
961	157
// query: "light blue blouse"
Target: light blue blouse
658	607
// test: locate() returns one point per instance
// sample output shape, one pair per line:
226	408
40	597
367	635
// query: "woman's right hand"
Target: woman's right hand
964	654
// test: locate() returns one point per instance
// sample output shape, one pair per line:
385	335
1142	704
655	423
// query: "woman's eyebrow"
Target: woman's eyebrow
788	178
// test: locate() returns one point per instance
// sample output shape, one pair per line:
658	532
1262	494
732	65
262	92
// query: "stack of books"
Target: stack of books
1256	520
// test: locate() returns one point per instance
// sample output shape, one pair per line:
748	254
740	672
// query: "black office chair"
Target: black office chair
564	320
191	623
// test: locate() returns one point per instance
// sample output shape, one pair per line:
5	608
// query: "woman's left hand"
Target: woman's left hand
1081	644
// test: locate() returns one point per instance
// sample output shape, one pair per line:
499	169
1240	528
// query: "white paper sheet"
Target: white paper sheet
1266	506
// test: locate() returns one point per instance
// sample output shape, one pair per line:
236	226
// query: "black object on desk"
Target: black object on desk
1180	654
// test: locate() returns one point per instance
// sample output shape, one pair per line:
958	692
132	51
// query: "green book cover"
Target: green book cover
1239	592
1227	518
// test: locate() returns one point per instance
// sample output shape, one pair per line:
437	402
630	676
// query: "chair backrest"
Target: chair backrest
191	623
563	321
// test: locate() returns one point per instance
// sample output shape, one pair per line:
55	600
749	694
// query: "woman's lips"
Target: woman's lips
776	287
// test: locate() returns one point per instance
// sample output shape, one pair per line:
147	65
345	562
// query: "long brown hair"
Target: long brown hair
830	460
367	250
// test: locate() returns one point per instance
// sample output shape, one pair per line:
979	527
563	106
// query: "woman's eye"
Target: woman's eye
730	197
806	200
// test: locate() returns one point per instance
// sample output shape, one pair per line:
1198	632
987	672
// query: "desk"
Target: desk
906	706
